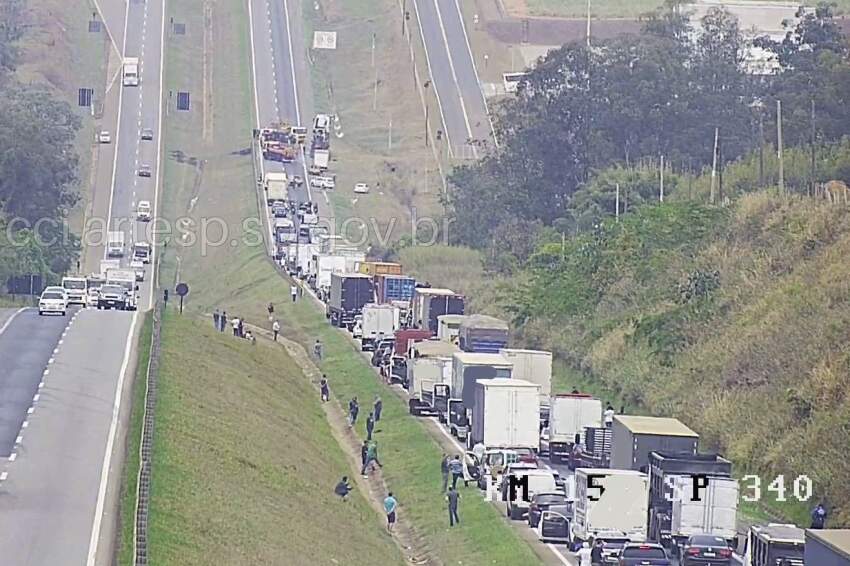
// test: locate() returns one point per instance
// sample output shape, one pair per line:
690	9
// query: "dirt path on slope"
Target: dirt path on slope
415	548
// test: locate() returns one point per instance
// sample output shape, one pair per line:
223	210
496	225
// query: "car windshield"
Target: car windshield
707	540
74	284
111	289
550	498
643	552
615	542
53	296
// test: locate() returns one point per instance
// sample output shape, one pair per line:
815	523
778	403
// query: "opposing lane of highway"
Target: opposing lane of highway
47	502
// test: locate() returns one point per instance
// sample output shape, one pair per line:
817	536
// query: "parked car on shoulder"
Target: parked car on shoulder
361	188
103	136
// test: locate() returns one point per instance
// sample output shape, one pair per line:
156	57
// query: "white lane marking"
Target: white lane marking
117	133
40	384
50	361
30	410
431	74
159	142
60	341
3	476
11	318
19	440
13	456
25	424
35	398
475	70
46	371
107	456
454	74
55	351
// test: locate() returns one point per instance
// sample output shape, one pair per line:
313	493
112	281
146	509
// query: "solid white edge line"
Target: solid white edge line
475	71
431	75
117	131
160	141
107	457
10	319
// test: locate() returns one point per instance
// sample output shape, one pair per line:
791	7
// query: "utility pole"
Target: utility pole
761	148
779	145
403	15
720	170
813	149
426	124
588	24
373	49
661	183
617	203
714	165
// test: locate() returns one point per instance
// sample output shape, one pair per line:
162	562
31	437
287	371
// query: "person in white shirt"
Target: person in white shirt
609	415
584	555
276	329
293	290
235	323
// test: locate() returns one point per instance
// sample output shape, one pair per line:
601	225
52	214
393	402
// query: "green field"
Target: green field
607	8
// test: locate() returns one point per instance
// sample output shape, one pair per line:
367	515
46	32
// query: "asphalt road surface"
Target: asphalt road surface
48	499
452	69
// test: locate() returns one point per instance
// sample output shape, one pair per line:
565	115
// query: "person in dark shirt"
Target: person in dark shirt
342	488
452	497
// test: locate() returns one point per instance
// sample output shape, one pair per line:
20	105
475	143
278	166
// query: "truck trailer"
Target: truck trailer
776	543
379	268
483	334
448	326
379	321
423	375
635	437
569	414
674	514
468	368
276	184
348	293
534	366
389	288
505	413
430	303
828	547
621	508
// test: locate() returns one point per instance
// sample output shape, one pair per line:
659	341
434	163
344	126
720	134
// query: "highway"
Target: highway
69	382
451	67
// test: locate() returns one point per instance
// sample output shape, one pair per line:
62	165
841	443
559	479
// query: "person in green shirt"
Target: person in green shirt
371	456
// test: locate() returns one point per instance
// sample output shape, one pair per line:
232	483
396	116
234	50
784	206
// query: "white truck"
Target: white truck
609	500
506	414
107	264
131	71
379	321
276	185
115	244
448	326
76	289
569	414
322	158
142	252
716	512
534	366
423	374
125	278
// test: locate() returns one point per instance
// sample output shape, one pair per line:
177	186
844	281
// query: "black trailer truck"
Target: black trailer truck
349	292
773	544
633	438
828	547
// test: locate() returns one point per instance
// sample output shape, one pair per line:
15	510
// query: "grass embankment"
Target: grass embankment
384	135
603	8
245	463
134	439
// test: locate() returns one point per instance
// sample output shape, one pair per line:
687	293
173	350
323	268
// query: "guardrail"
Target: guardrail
143	484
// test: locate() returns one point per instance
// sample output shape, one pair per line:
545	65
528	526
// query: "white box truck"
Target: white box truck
612	501
131	71
569	414
715	513
76	288
107	264
422	375
276	185
379	321
534	366
467	368
115	244
448	326
506	414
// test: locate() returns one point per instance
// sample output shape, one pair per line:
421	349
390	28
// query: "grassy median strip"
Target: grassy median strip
134	438
245	462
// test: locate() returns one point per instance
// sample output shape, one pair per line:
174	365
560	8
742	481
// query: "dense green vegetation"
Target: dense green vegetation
38	165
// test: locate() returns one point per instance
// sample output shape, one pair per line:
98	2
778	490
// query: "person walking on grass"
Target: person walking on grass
444	469
390	505
353	410
275	329
293	290
325	389
452	497
317	349
370	426
343	488
371	456
241	328
456	468
378	407
270	308
216	319
222	321
364	453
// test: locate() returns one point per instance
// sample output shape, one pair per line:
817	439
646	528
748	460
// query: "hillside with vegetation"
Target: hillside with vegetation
727	302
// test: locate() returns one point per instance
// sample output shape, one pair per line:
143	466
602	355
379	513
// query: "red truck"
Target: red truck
403	338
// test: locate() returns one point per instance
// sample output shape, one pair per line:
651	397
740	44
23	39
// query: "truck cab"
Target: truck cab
76	289
131	71
458	421
115	244
142	252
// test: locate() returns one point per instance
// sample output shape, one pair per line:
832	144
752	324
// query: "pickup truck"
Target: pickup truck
644	554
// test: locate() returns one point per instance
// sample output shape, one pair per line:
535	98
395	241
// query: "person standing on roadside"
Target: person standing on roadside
378	407
293	290
217	319
235	324
452	496
444	469
609	416
584	555
317	349
270	308
456	468
275	329
390	505
370	426
353	409
325	388
364	455
222	321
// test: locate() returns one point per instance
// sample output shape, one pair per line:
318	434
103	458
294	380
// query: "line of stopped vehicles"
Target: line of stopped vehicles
626	480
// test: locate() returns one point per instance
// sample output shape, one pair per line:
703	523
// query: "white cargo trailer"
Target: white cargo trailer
715	513
506	413
534	366
622	506
569	414
467	368
379	321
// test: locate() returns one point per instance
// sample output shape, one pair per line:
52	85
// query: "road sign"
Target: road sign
324	40
181	289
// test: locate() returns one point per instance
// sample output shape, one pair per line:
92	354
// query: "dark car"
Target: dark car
612	546
541	502
644	554
706	550
147	134
554	524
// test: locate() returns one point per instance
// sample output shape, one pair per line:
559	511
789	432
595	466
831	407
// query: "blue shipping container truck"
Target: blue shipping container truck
395	288
483	334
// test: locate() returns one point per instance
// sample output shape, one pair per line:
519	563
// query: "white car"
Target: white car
328	182
317	183
56	289
361	188
104	137
138	266
143	211
52	302
91	297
